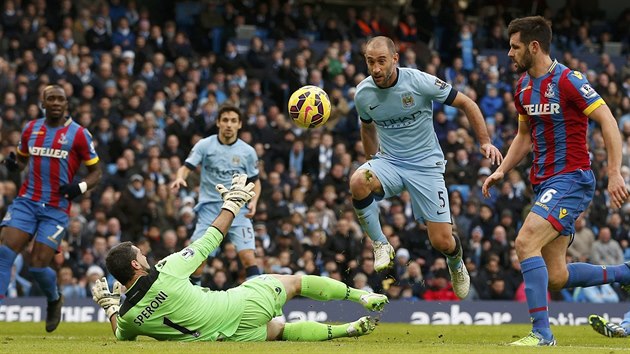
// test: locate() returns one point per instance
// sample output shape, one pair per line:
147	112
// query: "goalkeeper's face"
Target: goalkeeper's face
141	261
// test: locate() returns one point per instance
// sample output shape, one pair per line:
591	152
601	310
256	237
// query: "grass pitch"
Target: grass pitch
397	338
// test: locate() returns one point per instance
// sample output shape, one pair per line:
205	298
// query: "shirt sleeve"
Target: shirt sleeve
85	147
183	263
22	147
252	164
432	86
122	334
196	154
360	104
580	92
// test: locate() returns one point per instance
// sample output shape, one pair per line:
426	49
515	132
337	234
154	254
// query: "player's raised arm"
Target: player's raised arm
185	262
616	184
521	146
478	124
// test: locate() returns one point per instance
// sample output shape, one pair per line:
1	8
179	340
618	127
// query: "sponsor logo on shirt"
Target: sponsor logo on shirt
47	152
542	108
398	122
523	90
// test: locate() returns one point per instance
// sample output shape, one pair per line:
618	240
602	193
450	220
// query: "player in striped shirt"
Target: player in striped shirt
53	148
554	104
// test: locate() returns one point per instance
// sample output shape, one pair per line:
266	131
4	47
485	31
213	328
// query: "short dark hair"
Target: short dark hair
532	28
226	109
118	261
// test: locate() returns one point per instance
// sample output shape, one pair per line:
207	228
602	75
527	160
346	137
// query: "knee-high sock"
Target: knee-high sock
313	331
454	259
585	274
325	289
368	214
47	280
7	257
536	281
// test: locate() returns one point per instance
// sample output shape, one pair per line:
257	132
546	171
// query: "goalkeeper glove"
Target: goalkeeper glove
11	162
72	190
109	301
238	194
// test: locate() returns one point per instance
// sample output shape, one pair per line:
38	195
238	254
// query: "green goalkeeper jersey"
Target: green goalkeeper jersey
165	305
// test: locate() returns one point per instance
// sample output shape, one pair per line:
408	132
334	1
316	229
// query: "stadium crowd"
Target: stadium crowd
148	84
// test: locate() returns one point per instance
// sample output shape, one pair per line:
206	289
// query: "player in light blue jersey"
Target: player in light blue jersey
395	107
221	156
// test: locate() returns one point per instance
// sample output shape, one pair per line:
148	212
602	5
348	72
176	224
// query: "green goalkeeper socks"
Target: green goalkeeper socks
325	289
313	331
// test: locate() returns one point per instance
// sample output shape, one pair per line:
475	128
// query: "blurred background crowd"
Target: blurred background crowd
148	77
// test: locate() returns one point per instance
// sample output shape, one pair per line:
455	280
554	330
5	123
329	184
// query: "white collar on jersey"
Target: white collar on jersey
552	66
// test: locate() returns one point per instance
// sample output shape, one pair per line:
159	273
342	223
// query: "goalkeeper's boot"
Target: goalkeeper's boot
605	328
460	280
374	302
383	255
362	326
53	313
534	339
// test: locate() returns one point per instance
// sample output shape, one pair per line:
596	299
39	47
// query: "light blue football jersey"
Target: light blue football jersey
219	162
403	115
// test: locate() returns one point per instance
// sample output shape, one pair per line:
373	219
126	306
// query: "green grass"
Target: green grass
85	338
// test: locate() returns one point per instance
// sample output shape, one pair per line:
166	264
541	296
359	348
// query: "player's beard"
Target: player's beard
228	138
387	77
525	63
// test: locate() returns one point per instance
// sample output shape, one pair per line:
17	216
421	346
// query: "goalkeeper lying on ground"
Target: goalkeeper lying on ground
162	303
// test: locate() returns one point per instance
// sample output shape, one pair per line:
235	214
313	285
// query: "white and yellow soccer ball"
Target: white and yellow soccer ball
309	107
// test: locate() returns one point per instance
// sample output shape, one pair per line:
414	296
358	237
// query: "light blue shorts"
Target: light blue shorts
427	189
241	233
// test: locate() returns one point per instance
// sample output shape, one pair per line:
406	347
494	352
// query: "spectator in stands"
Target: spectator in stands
605	249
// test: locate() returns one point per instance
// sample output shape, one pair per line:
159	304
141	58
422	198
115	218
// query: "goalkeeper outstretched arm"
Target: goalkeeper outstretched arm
186	261
180	264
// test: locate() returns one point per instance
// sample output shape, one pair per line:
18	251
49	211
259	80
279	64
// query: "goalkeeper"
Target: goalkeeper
162	303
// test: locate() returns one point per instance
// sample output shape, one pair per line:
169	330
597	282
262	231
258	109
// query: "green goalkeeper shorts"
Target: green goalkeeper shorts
265	297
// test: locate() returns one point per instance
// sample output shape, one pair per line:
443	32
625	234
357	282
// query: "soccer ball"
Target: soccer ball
309	107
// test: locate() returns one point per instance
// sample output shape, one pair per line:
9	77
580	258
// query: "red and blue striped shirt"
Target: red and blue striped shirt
55	154
557	106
